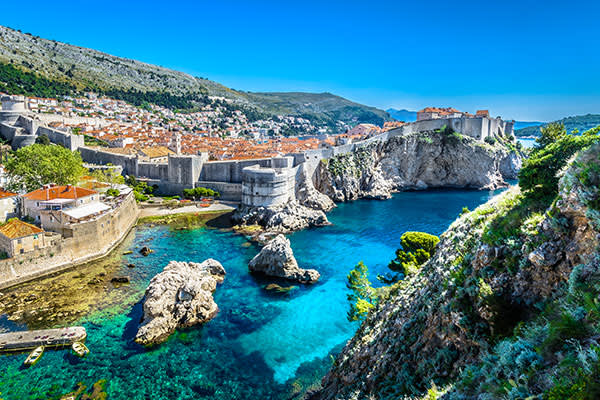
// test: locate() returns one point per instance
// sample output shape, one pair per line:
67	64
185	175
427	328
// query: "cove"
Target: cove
262	345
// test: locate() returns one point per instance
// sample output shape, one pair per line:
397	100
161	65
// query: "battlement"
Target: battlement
269	186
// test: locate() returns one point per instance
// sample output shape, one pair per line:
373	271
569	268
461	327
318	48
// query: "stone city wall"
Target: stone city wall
83	242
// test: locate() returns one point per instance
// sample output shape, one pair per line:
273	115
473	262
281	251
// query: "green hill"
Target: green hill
579	122
36	66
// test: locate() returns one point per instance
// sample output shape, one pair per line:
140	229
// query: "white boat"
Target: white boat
34	356
80	349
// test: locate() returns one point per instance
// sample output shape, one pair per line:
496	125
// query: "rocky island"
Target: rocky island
277	259
180	296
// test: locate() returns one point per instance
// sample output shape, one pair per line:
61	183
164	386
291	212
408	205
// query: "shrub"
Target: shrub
198	192
417	248
113	192
539	175
490	140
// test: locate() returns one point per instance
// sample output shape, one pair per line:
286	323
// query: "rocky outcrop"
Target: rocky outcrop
277	259
306	193
283	218
472	319
180	296
416	161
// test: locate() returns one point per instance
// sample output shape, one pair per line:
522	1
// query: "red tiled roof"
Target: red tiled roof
59	192
4	194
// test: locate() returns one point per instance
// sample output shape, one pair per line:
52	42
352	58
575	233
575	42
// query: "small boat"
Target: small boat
80	349
34	356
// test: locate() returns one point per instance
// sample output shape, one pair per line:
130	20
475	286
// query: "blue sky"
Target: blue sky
528	60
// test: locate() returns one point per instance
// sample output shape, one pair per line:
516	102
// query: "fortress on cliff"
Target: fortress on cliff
256	182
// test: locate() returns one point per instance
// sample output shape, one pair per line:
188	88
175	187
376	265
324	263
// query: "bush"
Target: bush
198	192
139	197
538	177
112	192
490	140
417	248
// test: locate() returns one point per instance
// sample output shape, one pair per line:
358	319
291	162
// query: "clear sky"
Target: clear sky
528	60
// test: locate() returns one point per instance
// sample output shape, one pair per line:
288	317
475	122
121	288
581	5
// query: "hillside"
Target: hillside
579	122
78	68
506	308
402	115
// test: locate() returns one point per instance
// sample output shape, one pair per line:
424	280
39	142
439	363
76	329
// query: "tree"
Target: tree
43	139
550	133
363	296
33	166
417	248
109	175
539	176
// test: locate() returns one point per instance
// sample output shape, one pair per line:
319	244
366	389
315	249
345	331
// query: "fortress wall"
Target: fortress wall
94	156
228	191
91	240
8	132
268	187
153	170
65	139
229	171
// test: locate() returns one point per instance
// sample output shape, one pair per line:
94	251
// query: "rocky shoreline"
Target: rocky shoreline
425	160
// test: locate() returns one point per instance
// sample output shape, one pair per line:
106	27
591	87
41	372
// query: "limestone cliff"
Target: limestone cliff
508	307
417	161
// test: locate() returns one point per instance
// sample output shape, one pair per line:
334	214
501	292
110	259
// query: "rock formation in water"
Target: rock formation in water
417	161
277	259
506	308
180	296
283	218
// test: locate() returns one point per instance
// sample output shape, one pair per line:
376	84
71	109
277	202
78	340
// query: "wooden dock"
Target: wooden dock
29	340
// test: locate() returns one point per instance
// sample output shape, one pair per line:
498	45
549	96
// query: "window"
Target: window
19	241
22	251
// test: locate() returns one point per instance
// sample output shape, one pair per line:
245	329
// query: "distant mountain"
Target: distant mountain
526	124
402	115
69	67
579	122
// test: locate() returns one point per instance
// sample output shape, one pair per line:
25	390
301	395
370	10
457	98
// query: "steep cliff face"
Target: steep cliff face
508	307
417	161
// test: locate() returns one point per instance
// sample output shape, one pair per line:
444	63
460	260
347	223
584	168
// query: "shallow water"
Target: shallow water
261	345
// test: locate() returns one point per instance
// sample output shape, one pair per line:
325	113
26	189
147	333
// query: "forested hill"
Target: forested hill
36	66
580	122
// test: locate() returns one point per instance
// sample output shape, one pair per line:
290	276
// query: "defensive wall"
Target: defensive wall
21	130
80	243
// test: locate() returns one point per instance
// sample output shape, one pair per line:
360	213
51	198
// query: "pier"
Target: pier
29	340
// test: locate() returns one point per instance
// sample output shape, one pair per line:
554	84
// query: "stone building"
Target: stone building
269	186
18	237
55	198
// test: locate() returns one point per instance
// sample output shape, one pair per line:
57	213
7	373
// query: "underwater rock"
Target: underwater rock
273	287
130	265
277	259
145	251
180	296
120	279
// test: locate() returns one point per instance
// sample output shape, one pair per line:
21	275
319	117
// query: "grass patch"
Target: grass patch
183	220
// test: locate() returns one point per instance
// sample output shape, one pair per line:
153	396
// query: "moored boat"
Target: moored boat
34	356
80	349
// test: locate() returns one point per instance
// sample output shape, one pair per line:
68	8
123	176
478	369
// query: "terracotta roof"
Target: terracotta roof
4	194
59	192
158	151
15	228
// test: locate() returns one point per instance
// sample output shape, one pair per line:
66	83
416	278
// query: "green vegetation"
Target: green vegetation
363	296
43	139
539	175
16	81
417	249
199	192
33	166
183	220
113	192
164	99
108	175
141	189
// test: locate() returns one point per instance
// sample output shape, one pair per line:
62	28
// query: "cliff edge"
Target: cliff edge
508	307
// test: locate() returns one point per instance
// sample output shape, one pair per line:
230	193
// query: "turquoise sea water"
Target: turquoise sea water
261	345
